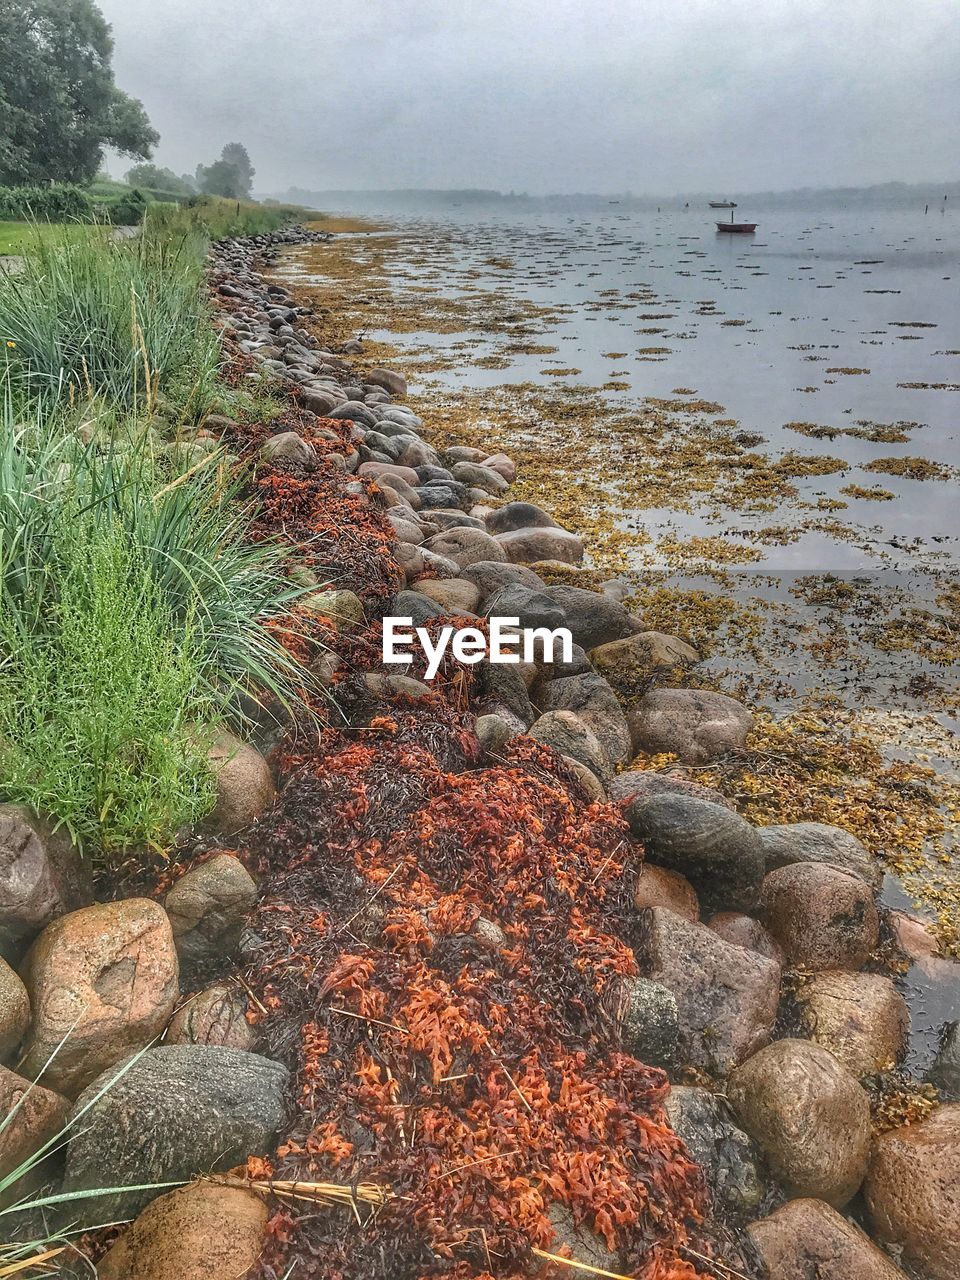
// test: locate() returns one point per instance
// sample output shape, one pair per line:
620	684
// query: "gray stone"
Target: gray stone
465	546
393	382
726	1155
693	724
591	698
491	576
288	447
42	876
592	619
529	546
567	734
354	411
177	1111
649	1022
513	516
207	907
945	1072
819	842
718	851
533	608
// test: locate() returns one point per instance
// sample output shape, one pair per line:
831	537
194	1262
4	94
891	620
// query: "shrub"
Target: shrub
45	204
129	210
125	321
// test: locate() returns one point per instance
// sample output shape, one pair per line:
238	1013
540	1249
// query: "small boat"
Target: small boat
738	228
723	204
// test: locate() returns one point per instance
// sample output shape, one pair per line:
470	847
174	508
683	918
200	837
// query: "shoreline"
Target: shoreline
500	719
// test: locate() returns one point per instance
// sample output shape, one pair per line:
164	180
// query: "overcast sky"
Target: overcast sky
653	96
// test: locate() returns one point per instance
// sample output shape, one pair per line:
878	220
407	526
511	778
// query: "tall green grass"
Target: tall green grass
124	321
218	219
134	611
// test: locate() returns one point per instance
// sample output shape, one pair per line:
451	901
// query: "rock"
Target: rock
388	472
395	383
500	463
493	732
912	1192
568	735
343	608
531	607
695	725
177	1111
718	851
245	786
14	1010
945	1072
726	1155
743	931
104	979
216	1016
806	1239
727	997
913	936
441	496
860	1017
410	559
466	546
40	1115
824	918
590	698
592	619
321	401
453	594
479	476
200	1232
502	686
416	453
42	876
207	907
587	779
658	887
631	664
808	1115
354	411
514	516
530	546
415	606
649	1022
582	1243
819	842
389	687
638	786
490	575
288	447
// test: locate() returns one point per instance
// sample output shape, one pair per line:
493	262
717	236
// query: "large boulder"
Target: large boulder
568	735
912	1192
806	1240
42	876
102	981
726	1155
30	1117
695	725
454	595
489	576
632	664
391	381
215	1016
860	1017
245	787
726	996
717	850
531	607
742	930
658	887
591	618
513	516
207	907
808	1115
14	1011
199	1232
466	546
177	1111
530	546
819	842
824	918
590	698
479	476
637	787
945	1071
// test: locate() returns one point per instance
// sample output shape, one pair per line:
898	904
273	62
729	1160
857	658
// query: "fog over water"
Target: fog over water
551	95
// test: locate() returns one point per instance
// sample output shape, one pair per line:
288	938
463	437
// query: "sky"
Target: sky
647	96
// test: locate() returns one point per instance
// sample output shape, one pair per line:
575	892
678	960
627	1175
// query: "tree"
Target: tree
236	153
59	104
230	176
157	179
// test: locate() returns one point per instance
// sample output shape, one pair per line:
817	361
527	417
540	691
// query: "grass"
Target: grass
134	613
127	321
19	237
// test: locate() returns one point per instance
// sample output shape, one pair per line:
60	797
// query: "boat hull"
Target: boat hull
737	228
723	204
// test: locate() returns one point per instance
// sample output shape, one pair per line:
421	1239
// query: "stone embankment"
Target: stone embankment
462	949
